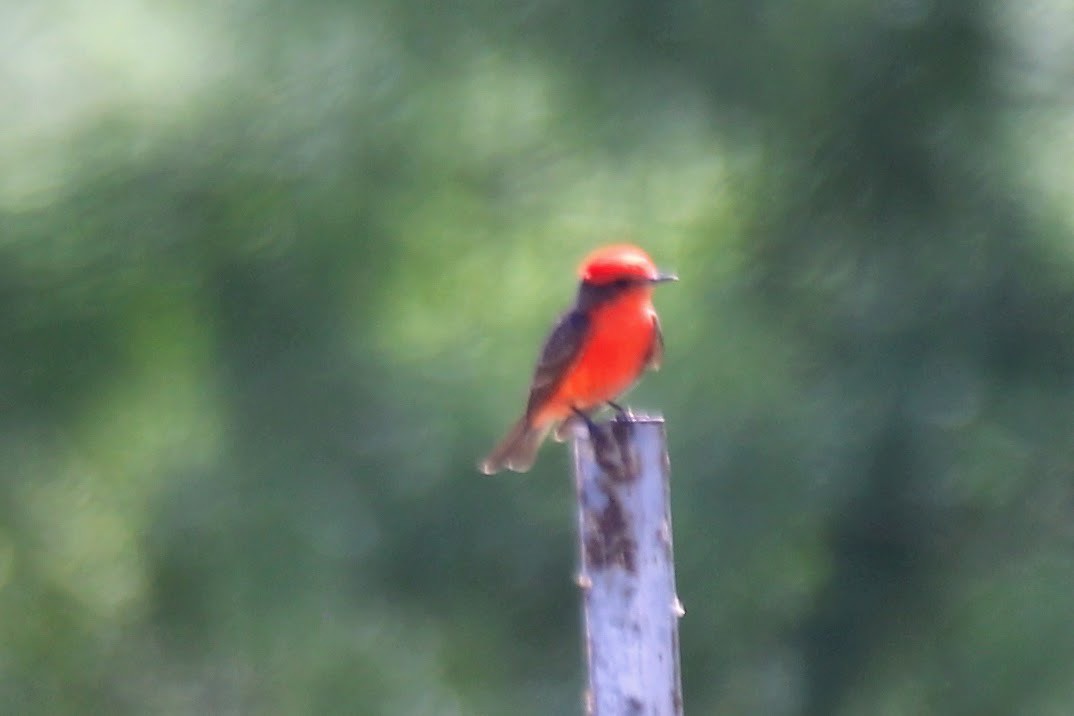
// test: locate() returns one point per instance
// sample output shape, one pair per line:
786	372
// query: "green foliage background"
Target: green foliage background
273	275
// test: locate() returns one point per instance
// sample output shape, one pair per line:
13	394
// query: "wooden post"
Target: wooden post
627	569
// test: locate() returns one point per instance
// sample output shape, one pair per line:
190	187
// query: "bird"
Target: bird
596	351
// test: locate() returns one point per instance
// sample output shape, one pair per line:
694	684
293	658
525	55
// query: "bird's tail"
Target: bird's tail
517	451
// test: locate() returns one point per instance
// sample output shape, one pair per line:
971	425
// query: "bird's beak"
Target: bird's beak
664	278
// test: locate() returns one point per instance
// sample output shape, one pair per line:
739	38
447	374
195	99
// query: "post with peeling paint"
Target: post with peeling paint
627	577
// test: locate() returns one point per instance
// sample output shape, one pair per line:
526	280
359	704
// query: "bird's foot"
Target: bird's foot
611	443
622	415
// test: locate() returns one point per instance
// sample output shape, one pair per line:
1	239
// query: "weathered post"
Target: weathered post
627	572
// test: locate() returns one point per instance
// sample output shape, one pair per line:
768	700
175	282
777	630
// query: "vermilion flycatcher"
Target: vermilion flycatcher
596	351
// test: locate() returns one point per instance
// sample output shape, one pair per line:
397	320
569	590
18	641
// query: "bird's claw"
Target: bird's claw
622	415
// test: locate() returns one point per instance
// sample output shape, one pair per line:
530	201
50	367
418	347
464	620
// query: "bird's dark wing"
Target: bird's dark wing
656	350
559	351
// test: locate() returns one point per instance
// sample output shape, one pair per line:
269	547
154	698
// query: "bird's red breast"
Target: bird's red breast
614	351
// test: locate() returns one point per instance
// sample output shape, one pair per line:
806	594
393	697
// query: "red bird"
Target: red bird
596	352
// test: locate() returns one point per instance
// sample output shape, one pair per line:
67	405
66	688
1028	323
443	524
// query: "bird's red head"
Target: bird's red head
617	262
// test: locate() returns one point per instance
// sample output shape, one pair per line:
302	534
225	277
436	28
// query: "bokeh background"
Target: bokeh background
273	275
